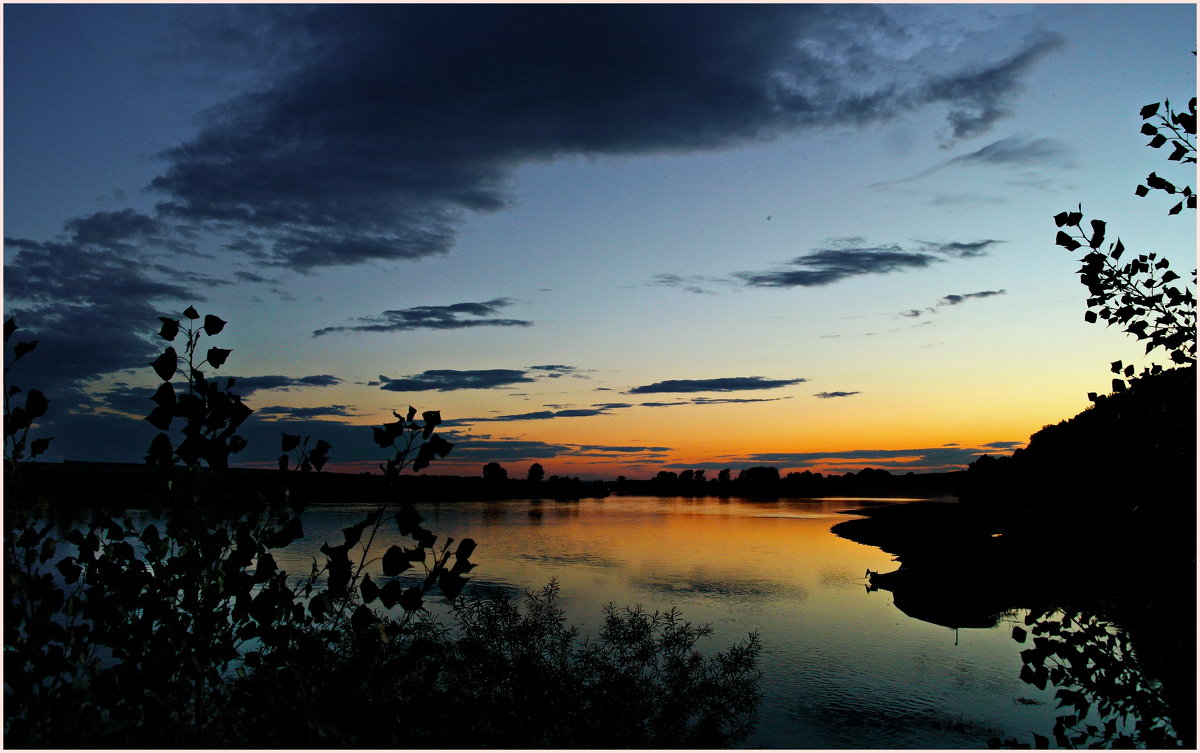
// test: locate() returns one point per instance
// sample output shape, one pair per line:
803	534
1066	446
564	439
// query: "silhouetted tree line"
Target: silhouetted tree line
1130	449
765	481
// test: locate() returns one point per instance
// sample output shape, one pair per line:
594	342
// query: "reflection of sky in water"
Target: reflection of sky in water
843	668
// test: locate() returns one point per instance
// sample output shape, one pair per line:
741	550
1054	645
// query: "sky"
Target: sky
609	239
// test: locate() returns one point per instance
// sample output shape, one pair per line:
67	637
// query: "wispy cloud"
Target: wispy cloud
827	395
1019	151
447	380
723	384
453	316
282	412
829	265
961	249
247	385
954	299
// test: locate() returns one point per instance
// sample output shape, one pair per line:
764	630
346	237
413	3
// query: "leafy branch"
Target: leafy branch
212	415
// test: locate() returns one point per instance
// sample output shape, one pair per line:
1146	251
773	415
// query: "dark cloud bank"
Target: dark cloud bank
400	118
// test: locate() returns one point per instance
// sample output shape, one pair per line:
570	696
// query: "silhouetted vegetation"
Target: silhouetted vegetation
1091	527
184	632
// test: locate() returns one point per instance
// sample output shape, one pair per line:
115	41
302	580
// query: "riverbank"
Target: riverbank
967	565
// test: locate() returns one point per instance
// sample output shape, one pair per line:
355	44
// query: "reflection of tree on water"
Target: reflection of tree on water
1105	692
1126	653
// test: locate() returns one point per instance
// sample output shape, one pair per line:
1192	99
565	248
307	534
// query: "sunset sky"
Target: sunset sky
610	239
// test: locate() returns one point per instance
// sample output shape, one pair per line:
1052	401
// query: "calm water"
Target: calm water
842	667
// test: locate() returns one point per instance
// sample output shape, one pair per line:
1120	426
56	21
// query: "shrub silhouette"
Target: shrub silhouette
189	635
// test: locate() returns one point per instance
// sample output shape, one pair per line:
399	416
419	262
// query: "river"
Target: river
842	667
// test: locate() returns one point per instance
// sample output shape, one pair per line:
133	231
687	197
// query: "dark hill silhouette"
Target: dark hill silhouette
1133	448
1096	517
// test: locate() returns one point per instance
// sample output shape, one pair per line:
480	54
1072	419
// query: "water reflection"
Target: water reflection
1108	696
841	671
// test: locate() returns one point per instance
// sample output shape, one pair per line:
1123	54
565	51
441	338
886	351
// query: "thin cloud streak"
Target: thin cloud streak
453	316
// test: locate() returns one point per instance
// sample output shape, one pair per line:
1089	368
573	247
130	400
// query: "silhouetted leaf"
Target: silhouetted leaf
1176	209
320	605
381	437
391	593
290	442
170	328
1018	634
1097	233
1157	141
164	365
160	418
1149	110
36	404
1089	316
283	462
362	618
395	561
353	534
39	446
411	412
265	568
370	592
22	348
1180	151
1116	367
1066	241
69	569
160	450
216	356
440	446
1117	250
408	520
1141	190
213	324
191	313
451	584
1168	276
410	600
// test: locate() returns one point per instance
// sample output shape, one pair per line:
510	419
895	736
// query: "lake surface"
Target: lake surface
842	667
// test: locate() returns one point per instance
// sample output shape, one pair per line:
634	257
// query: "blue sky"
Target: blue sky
552	208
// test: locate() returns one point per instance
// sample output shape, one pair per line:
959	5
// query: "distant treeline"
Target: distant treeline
132	484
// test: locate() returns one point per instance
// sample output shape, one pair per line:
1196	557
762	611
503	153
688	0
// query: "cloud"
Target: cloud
921	460
556	370
698	284
724	384
954	299
432	317
829	265
827	395
961	249
533	416
385	124
277	412
92	304
1020	150
247	385
446	380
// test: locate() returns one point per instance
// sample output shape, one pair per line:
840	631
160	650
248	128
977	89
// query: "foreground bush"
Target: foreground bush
507	673
125	634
